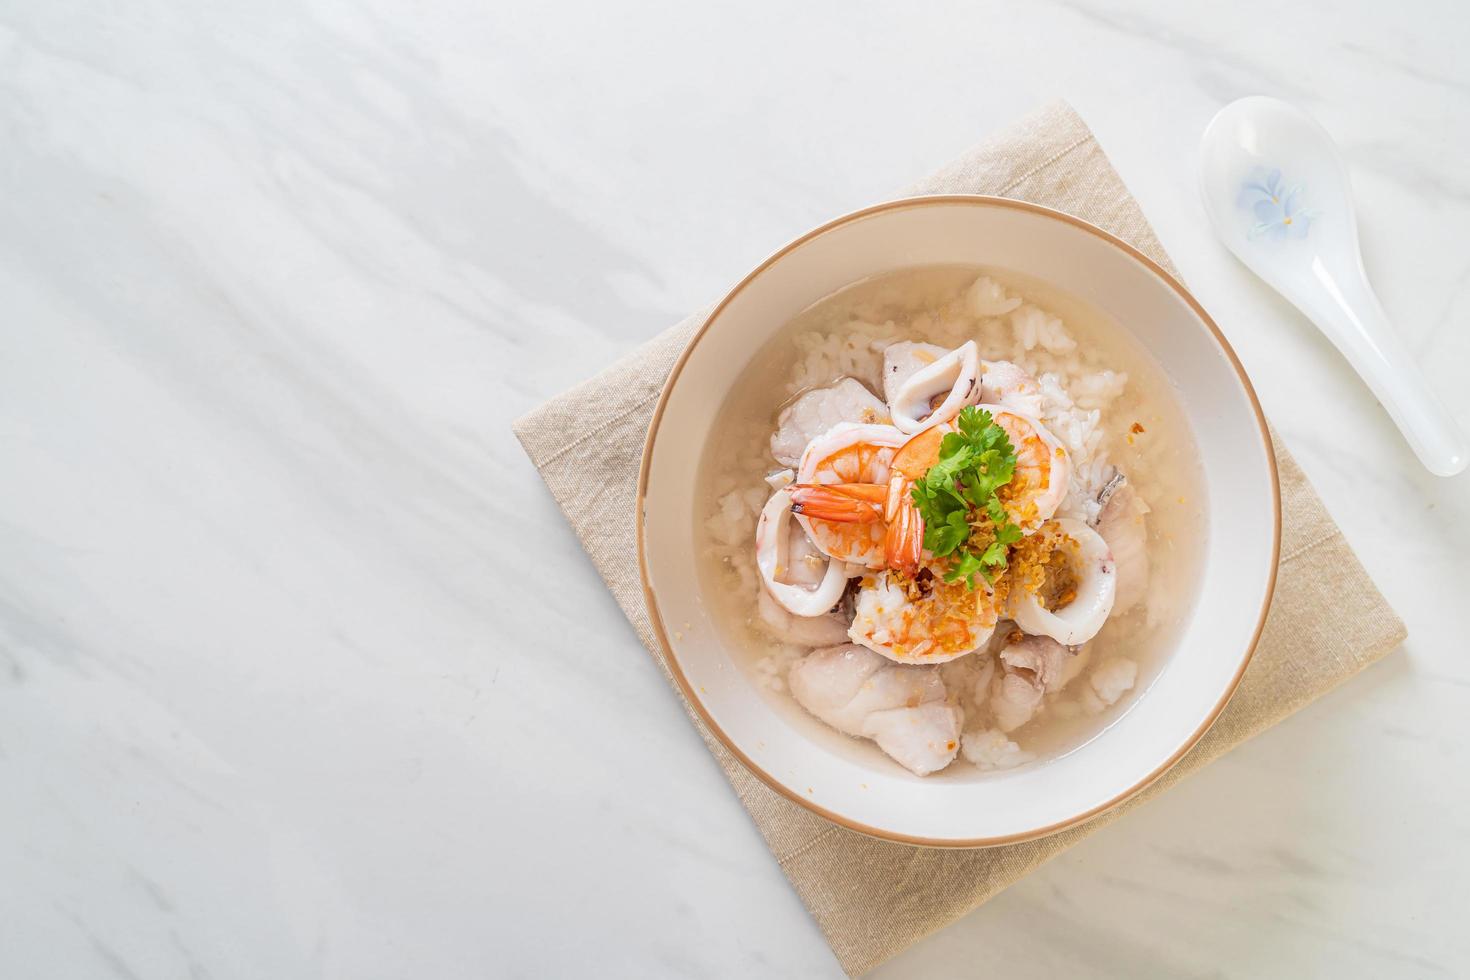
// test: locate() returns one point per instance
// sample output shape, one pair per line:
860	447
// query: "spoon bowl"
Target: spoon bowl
1276	190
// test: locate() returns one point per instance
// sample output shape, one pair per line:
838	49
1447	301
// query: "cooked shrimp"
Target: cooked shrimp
1122	524
889	506
1043	469
835	499
924	621
1064	584
817	411
903	544
903	709
936	393
773	558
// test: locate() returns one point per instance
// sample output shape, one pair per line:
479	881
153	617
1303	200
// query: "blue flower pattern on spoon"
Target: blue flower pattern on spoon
1280	210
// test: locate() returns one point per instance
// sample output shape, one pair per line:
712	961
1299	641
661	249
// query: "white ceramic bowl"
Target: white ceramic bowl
849	782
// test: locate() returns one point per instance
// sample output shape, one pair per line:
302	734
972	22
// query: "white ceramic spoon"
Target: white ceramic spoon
1277	192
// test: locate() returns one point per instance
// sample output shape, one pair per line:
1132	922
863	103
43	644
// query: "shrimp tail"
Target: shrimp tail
844	503
898	488
903	545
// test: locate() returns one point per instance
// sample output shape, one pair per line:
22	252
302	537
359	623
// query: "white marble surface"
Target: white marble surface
301	673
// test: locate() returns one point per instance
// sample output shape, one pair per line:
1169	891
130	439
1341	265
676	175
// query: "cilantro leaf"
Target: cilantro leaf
973	422
943	539
952	445
964	568
995	510
957	495
1007	534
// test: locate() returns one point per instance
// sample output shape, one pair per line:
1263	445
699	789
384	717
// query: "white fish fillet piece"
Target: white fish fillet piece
923	739
902	359
1042	656
819	410
901	708
1123	525
1013	700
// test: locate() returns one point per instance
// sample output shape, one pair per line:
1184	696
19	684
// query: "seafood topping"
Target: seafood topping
903	709
1003	383
903	360
1064	583
936	393
1121	522
1043	469
1042	657
817	411
1031	667
947	520
773	556
841	478
921	620
966	522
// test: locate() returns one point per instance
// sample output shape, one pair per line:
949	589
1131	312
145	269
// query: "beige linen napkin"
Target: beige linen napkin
873	899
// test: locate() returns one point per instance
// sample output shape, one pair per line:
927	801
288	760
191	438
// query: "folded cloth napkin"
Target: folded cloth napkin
873	899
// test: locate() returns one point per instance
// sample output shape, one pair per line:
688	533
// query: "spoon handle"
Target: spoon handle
1350	315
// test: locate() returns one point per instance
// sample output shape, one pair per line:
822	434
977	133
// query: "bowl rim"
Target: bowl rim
651	601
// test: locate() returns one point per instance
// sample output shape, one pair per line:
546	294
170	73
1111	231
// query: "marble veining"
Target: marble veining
301	673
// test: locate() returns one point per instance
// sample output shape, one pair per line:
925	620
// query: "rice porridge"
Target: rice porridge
954	514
